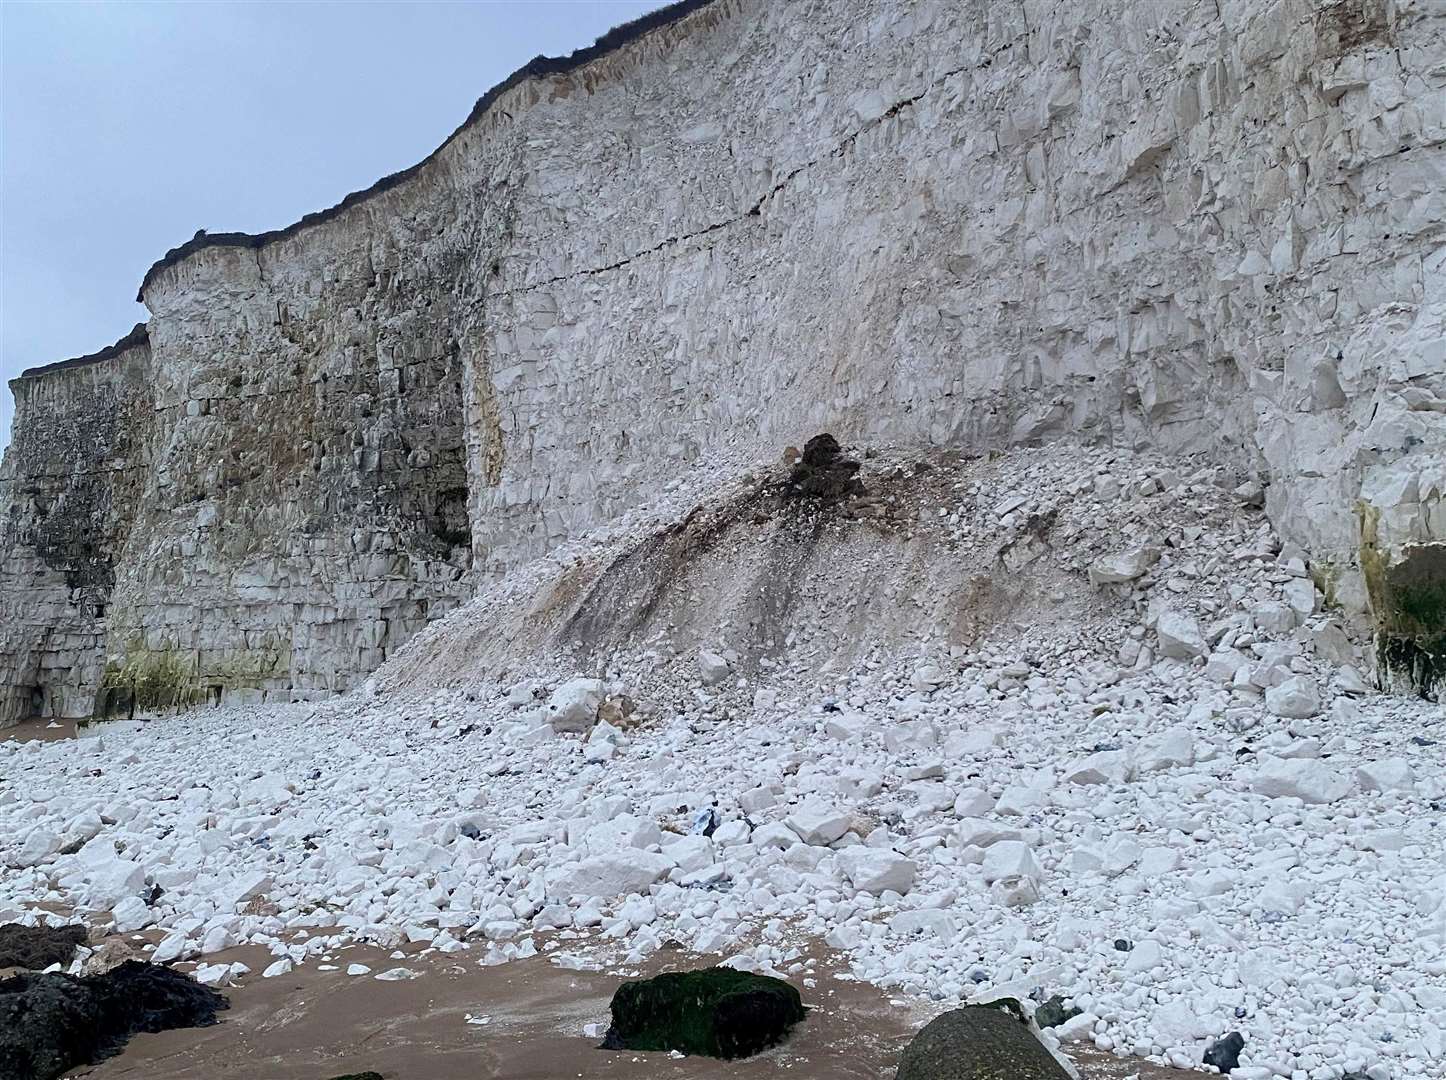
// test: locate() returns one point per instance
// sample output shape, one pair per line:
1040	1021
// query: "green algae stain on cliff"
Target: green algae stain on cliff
1327	577
238	670
1408	600
1412	645
488	417
149	681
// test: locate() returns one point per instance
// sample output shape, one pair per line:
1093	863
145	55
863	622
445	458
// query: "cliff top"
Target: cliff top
537	67
136	336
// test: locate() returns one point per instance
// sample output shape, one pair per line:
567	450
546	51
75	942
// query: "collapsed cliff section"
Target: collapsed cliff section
767	584
1213	228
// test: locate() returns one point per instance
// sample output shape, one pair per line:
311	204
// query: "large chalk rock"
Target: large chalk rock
609	875
573	705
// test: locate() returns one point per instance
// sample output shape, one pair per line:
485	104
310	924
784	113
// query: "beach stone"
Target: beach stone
610	875
1105	767
38	846
1273	617
979	1042
818	825
1180	637
1224	1053
1331	643
243	889
112	880
712	667
717	1012
130	915
1010	859
1167	750
876	871
1390	774
1308	779
1014	891
1123	566
1300	596
1054	1012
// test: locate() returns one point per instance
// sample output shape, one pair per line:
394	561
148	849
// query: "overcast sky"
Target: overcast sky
128	126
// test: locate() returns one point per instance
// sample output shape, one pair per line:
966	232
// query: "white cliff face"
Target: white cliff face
1188	226
925	224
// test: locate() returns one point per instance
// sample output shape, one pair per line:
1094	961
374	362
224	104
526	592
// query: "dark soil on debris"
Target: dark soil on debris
37	947
50	1023
823	472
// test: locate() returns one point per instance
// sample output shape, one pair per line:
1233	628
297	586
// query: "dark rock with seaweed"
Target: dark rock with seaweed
979	1042
717	1012
50	1023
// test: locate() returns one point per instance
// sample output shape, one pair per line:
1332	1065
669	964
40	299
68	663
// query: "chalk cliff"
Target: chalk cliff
1185	225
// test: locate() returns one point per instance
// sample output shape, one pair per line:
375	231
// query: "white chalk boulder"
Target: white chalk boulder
573	705
877	870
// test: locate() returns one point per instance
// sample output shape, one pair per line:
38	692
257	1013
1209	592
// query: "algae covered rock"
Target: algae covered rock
980	1042
50	1022
47	1025
37	947
717	1012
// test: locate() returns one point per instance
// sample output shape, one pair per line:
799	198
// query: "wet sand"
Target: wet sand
312	1025
39	730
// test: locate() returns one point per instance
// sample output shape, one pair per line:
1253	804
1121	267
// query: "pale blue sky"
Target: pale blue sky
125	127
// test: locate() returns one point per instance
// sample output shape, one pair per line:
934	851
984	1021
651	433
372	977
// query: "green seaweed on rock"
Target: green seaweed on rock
717	1012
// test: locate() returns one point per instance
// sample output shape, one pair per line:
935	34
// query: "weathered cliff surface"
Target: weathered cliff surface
69	487
1193	226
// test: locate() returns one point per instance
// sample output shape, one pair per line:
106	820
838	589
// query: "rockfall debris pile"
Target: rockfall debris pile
1065	725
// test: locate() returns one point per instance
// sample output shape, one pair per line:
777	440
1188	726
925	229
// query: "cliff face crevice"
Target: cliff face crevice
1194	226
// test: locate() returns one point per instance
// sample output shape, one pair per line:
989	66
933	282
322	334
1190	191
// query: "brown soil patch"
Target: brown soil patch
39	730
